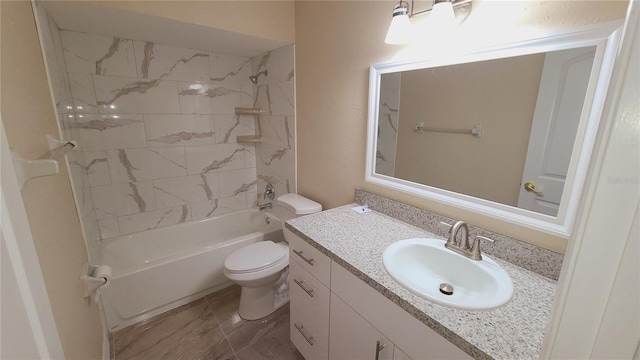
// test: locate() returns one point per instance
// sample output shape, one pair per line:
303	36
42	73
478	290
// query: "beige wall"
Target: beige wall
28	115
335	44
500	95
267	19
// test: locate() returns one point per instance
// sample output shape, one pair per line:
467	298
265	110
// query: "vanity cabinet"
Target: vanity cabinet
335	315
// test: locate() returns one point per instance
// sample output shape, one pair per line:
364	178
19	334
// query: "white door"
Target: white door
563	86
28	329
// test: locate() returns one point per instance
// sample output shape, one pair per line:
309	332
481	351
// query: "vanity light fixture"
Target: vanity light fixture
443	14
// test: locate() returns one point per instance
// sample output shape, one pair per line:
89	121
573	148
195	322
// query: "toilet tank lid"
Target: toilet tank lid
299	205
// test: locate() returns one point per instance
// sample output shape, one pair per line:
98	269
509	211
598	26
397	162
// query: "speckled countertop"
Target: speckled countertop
356	241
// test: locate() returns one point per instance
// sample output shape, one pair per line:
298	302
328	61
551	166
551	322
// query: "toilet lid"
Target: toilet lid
254	257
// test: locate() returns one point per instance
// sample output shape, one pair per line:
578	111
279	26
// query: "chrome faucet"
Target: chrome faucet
462	247
265	206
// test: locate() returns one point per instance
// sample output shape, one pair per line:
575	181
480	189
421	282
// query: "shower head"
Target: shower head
254	78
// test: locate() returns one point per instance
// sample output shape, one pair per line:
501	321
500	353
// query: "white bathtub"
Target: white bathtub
158	270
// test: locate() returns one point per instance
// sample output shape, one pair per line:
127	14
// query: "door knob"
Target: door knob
531	187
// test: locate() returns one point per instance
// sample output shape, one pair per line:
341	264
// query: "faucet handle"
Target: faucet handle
476	254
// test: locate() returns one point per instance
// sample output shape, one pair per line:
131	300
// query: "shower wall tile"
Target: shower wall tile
178	130
155	61
116	94
279	63
98	55
186	190
97	168
216	207
82	93
232	71
278	131
107	132
228	127
388	124
214	158
157	129
123	199
153	219
202	98
276	99
276	160
109	228
146	164
237	182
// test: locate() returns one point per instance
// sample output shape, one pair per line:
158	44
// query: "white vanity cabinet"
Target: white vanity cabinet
309	294
335	315
352	337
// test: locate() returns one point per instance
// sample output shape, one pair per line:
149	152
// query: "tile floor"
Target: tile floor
208	328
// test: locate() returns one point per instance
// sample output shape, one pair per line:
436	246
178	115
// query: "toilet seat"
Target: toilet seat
256	257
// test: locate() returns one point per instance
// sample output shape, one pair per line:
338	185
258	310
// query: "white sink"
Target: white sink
421	265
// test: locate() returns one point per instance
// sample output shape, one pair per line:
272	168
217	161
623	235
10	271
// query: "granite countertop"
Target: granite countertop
356	241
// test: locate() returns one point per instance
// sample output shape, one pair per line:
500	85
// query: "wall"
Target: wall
266	19
332	95
28	115
489	167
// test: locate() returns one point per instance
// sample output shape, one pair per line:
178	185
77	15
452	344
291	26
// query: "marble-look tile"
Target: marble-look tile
204	98
109	228
96	168
136	96
177	130
278	131
214	158
276	99
249	333
275	160
186	189
228	127
249	156
237	182
146	163
123	199
155	61
107	132
279	63
188	332
230	70
82	93
220	206
257	351
153	219
98	55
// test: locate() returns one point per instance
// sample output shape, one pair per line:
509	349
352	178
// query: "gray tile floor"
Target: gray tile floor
209	328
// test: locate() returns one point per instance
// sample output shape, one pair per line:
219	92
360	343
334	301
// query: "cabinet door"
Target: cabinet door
352	338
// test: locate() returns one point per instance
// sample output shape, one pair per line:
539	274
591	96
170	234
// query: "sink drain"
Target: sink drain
446	289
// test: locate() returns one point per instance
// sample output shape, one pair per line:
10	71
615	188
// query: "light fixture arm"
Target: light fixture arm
455	3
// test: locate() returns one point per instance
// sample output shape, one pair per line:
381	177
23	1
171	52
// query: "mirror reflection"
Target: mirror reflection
501	130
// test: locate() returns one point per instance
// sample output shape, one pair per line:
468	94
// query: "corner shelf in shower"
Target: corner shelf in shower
257	138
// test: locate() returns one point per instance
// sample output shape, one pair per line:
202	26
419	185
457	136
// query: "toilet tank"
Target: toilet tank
289	206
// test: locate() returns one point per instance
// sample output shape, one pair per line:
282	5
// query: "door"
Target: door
27	325
563	86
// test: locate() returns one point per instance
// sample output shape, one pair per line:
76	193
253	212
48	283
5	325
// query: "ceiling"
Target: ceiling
94	19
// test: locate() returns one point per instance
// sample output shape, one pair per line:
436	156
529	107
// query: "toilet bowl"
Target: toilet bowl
262	268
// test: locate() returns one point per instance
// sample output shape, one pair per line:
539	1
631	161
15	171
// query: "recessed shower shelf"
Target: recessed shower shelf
257	138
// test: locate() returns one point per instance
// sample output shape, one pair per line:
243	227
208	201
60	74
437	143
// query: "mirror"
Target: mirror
506	132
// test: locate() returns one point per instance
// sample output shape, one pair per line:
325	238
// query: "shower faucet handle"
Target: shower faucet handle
270	192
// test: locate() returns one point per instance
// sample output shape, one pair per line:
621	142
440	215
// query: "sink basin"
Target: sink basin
421	265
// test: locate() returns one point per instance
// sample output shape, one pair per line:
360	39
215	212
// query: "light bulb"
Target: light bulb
400	27
442	15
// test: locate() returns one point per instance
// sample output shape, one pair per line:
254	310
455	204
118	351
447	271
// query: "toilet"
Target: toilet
262	268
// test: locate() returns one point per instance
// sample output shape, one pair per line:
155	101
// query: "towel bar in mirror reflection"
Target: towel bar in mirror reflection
539	102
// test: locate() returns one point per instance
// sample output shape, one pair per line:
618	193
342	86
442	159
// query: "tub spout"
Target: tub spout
265	206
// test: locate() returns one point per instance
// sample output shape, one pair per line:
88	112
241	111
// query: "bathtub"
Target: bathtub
157	270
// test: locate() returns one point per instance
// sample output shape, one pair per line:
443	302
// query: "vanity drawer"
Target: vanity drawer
309	312
318	264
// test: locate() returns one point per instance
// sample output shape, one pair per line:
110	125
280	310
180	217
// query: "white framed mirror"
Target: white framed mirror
507	132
